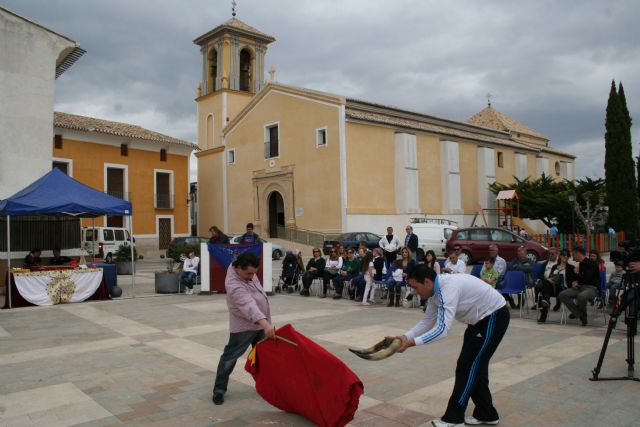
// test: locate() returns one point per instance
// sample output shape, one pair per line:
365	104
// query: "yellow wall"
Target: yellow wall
429	179
468	155
316	172
88	168
210	195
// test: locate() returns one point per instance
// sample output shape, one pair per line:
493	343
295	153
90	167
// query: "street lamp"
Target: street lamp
572	200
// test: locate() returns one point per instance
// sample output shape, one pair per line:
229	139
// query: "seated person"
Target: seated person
488	274
453	265
189	271
350	269
524	264
32	258
379	265
58	259
545	279
584	287
395	283
615	282
331	269
314	270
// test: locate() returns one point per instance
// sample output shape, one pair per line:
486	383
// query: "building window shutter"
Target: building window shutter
57	142
124	150
163	155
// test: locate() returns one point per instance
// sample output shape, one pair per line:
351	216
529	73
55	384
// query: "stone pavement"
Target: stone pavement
150	361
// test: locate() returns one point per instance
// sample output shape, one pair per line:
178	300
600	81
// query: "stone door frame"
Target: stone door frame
265	183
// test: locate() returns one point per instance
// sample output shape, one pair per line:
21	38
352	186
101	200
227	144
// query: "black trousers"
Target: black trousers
472	371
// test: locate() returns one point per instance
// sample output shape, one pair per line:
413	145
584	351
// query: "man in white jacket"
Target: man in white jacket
390	244
477	304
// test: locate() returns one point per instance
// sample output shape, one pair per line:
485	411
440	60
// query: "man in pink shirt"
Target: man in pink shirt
249	317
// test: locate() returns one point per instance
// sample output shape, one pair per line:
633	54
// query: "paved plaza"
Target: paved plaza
150	361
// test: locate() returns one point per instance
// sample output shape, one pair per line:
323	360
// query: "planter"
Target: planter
166	283
124	268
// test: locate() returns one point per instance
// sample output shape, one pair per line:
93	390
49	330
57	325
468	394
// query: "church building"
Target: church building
279	155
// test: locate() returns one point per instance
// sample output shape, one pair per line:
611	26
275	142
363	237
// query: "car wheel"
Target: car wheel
533	256
109	258
276	254
465	257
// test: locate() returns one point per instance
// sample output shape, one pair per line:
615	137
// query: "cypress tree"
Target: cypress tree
622	196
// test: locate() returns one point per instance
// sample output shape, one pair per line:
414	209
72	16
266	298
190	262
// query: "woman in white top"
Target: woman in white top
366	267
331	269
189	271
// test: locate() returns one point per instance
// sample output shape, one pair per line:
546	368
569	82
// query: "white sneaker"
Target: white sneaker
440	423
188	291
472	421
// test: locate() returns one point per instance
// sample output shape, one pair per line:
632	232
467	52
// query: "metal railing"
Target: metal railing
124	195
307	237
163	201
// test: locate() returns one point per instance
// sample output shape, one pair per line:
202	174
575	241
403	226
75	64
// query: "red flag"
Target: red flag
305	379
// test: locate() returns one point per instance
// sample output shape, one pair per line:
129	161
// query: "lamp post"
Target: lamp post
572	200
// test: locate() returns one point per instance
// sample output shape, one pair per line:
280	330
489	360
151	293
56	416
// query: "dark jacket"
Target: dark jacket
412	242
570	274
589	273
222	239
316	264
249	239
524	265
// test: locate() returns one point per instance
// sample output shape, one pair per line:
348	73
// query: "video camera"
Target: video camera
631	252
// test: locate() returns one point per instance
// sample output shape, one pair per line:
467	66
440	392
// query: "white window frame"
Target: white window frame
69	163
266	135
125	223
326	137
171	189
231	153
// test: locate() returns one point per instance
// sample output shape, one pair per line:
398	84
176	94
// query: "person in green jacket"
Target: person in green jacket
349	270
314	270
488	273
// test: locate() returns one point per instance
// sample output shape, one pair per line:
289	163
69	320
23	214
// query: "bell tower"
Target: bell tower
232	72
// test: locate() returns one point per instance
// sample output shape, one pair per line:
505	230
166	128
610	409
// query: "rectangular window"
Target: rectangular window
164	196
231	157
271	143
500	159
119	235
321	137
63	166
163	155
124	150
107	235
57	142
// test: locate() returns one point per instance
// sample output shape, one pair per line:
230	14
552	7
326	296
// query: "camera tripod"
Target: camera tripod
629	301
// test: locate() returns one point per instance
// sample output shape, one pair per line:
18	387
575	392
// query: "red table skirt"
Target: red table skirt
101	293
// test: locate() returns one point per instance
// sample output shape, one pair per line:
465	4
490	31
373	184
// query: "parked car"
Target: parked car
352	240
277	251
105	241
475	242
191	240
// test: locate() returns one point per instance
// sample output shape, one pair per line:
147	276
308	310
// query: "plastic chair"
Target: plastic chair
442	262
537	270
476	269
516	284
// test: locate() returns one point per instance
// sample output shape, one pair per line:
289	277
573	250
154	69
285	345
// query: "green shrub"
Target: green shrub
178	252
123	254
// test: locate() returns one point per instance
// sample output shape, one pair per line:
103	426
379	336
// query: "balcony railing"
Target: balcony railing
119	194
163	201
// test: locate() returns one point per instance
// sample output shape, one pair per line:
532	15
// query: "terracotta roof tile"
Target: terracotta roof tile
238	25
91	124
494	119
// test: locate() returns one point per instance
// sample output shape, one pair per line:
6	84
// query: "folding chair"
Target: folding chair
515	283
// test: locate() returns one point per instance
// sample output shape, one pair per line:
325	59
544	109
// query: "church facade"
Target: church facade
275	154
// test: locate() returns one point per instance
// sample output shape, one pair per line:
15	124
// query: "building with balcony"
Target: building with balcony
149	169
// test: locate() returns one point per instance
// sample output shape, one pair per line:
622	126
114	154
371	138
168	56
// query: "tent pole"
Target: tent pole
93	238
133	261
9	259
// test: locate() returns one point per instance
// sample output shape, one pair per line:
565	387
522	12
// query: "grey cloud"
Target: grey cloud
547	63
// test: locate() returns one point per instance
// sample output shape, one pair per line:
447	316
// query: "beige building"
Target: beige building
275	154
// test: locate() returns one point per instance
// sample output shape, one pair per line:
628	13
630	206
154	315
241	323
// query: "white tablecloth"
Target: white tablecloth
58	286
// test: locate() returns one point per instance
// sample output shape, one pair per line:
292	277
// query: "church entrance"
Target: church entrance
276	213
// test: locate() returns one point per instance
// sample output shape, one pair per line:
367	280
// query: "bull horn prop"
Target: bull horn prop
385	348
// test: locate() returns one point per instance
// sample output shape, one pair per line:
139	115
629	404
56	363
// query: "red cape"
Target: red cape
305	379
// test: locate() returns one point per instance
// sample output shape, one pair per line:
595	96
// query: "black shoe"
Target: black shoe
218	398
583	320
304	292
544	304
409	297
556	307
572	316
337	296
534	307
600	305
543	316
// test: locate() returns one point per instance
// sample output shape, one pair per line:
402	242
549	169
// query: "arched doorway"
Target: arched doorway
276	213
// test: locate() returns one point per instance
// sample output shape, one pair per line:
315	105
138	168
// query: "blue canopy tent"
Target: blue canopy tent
57	194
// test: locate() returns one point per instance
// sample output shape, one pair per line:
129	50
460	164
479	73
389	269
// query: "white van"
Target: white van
433	234
105	241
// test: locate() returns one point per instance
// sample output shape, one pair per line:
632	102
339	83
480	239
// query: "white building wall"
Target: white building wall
521	166
28	55
486	176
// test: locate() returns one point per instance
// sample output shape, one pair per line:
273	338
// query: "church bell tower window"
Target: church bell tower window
212	58
245	70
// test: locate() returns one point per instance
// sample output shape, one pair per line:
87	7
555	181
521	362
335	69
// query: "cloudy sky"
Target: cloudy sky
548	64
